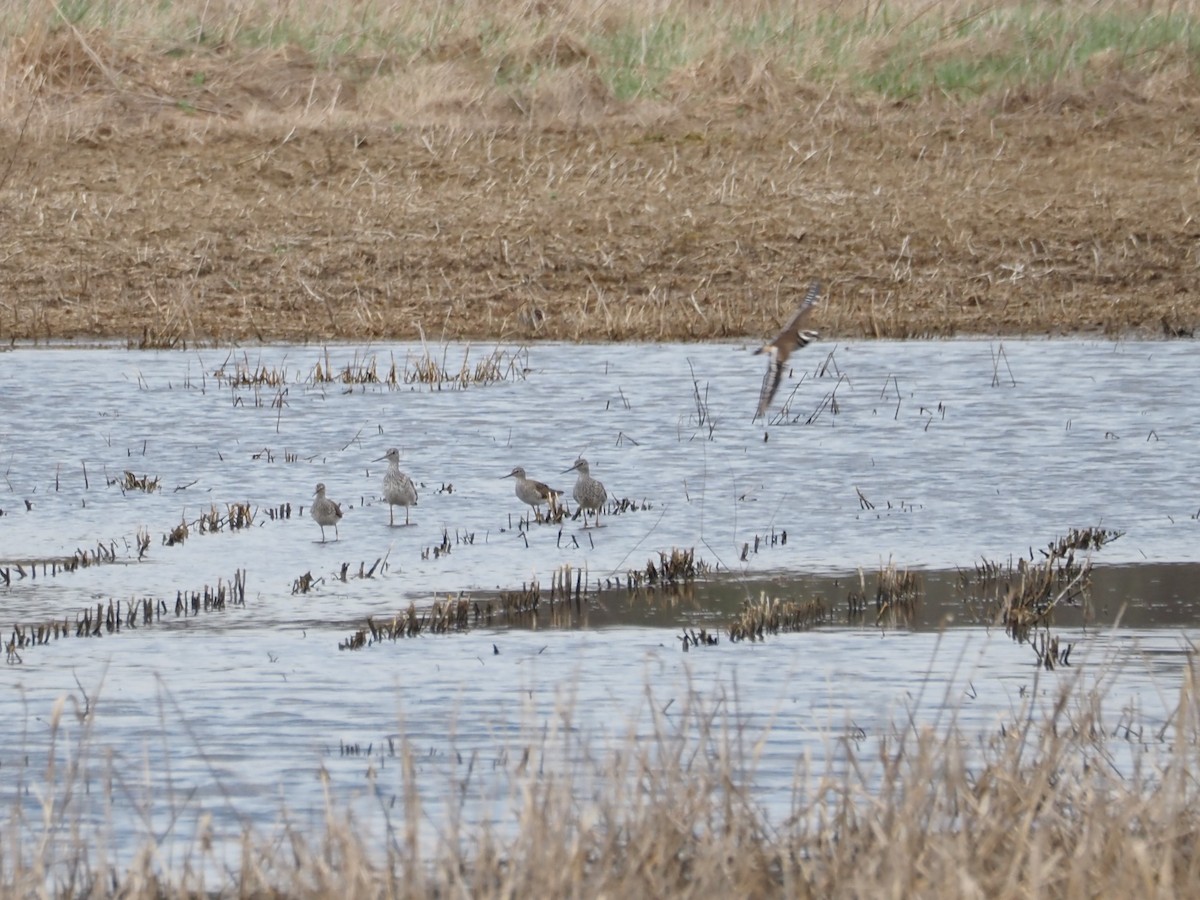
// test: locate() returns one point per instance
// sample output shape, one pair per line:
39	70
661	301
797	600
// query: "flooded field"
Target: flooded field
146	478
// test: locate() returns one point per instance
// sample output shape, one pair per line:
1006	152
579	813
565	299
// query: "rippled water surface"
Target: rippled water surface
933	455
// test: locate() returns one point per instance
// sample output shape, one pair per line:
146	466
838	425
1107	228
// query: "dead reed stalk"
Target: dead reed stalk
1049	802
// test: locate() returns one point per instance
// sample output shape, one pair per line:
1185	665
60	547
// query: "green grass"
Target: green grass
1030	46
897	50
637	59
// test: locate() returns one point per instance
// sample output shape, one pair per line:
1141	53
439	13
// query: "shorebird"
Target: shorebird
588	493
398	488
533	492
325	512
783	345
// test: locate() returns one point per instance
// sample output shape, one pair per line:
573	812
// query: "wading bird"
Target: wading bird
325	512
533	492
398	488
588	493
783	345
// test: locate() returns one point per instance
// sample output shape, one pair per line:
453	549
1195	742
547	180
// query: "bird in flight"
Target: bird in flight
783	345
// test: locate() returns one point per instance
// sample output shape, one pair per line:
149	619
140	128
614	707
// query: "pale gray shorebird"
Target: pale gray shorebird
783	345
325	512
588	493
532	492
398	488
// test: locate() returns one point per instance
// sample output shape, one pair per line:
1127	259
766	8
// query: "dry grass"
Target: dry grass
211	172
1053	803
773	615
568	61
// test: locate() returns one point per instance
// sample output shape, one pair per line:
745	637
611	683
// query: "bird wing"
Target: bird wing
402	484
789	338
543	490
790	334
770	383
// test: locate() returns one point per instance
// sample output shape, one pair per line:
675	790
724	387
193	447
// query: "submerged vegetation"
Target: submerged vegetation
1021	596
424	368
111	617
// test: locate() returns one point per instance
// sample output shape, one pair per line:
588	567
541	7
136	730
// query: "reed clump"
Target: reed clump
527	606
519	603
1063	549
131	482
454	614
245	374
896	599
358	371
115	615
178	534
1023	595
82	558
568	584
767	616
498	366
672	568
305	583
235	517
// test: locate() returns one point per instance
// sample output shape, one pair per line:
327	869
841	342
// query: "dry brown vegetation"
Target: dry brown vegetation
569	169
1056	802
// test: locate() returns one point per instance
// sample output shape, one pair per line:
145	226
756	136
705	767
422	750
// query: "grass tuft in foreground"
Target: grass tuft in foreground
1053	802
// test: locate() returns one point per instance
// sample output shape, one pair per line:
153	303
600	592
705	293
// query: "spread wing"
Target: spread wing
790	336
770	385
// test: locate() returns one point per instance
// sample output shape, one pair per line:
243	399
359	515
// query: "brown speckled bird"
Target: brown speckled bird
783	345
325	512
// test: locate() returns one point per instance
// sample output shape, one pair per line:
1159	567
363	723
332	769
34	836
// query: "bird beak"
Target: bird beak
380	458
509	475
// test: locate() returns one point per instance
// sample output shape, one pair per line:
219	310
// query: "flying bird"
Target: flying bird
783	345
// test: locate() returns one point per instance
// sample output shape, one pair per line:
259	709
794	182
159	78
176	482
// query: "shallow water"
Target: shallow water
965	450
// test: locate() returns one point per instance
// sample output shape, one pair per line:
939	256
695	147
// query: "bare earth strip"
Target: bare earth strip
1068	213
